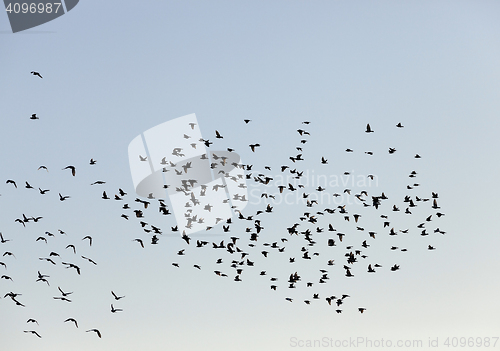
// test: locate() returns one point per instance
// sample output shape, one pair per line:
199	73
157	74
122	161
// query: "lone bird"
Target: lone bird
35	73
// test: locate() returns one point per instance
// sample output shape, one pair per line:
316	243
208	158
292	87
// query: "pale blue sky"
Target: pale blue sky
113	70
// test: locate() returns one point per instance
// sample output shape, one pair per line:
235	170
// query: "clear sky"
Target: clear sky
112	70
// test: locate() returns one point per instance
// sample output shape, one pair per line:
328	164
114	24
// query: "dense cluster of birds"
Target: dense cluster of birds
249	241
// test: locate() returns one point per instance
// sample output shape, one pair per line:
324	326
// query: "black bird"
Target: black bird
32	332
114	310
140	242
62	198
116	297
368	129
90	260
2	240
43	191
64	294
73	169
90	239
253	146
72	320
35	73
95	331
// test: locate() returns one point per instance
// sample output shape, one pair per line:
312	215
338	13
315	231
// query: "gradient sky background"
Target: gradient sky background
114	69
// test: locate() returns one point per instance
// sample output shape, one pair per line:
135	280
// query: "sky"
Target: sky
114	70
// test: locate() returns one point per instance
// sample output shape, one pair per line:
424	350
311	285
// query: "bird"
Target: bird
32	332
217	135
95	331
90	260
114	310
253	146
64	294
140	242
31	320
72	320
399	125
42	167
10	181
71	265
368	129
61	298
89	238
43	191
73	169
92	162
35	73
62	198
117	297
2	240
33	116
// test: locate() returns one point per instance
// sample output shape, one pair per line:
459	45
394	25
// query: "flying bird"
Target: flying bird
117	297
62	198
95	331
73	169
253	146
32	332
72	320
114	310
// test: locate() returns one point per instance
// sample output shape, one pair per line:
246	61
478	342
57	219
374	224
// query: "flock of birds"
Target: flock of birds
239	252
